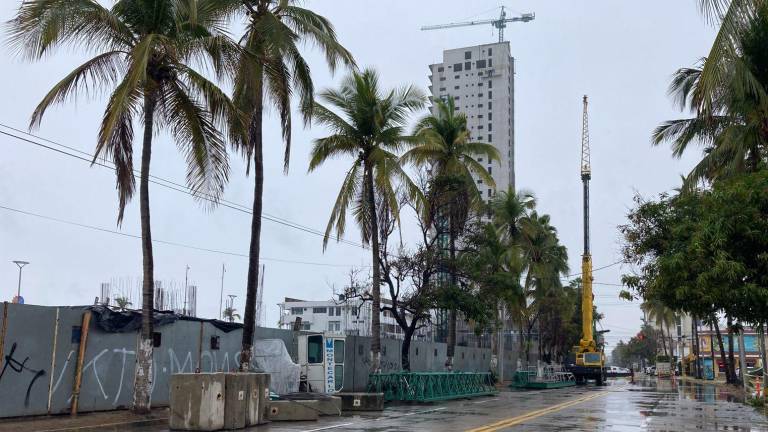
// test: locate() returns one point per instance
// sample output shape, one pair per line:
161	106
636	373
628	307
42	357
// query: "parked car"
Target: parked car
650	370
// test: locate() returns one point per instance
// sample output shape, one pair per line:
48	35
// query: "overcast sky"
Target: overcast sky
620	53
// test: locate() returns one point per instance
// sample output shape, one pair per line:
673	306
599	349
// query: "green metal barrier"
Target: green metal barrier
431	386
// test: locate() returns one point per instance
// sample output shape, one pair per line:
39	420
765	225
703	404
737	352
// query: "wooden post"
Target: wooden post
53	359
80	359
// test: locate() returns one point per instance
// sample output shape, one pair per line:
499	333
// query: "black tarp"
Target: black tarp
114	321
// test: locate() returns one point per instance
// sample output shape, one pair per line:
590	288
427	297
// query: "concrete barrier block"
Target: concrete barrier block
258	398
361	401
290	410
236	399
197	401
330	406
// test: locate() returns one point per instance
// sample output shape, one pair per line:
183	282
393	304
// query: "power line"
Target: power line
166	242
169	184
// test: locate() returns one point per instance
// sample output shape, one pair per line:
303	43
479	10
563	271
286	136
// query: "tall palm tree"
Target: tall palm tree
727	95
444	146
145	50
663	317
367	125
273	69
545	261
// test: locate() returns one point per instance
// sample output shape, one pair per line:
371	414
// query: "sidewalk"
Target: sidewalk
115	420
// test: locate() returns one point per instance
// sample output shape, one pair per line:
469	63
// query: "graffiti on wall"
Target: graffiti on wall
20	367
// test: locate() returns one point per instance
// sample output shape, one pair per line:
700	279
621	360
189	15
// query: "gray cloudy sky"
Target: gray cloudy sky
620	53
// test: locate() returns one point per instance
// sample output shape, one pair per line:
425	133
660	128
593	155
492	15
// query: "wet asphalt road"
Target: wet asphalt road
648	405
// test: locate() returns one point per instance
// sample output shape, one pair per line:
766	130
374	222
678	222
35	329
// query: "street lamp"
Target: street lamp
21	265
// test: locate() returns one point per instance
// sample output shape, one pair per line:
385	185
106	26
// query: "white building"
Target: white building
345	316
481	80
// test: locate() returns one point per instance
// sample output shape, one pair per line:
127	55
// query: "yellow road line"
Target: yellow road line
538	413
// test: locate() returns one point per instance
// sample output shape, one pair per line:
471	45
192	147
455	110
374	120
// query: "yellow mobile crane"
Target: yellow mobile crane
588	361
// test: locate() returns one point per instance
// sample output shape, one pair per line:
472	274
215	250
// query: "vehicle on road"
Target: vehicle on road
616	371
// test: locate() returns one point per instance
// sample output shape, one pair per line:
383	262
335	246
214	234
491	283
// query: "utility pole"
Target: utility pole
21	265
221	293
186	290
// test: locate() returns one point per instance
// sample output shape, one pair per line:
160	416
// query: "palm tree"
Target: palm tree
443	144
143	51
727	95
545	262
273	69
369	128
123	303
230	314
662	316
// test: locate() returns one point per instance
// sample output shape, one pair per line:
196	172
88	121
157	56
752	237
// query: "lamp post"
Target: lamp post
21	265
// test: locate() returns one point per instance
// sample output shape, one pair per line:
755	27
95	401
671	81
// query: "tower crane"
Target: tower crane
589	362
500	23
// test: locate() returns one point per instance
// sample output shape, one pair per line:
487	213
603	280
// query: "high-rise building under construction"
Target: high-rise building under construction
481	80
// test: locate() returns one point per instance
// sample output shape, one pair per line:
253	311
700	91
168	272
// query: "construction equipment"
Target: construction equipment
500	23
589	359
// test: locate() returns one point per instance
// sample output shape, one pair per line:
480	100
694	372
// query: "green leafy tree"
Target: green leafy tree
144	56
272	69
368	127
443	145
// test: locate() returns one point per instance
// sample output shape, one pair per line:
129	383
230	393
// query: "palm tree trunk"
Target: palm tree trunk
142	384
252	283
731	358
451	349
495	343
376	288
722	350
663	339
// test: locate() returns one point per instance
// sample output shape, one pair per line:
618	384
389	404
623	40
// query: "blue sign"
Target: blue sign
330	379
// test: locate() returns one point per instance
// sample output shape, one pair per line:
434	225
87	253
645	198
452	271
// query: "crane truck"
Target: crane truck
587	361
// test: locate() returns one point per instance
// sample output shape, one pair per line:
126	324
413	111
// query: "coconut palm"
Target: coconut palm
367	125
545	262
727	97
123	303
230	314
663	316
144	54
444	146
272	69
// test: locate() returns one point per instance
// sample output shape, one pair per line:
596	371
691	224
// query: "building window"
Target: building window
490	105
479	84
480	64
319	310
490	170
490	138
455	87
334	326
490	62
467	65
489	192
480	127
479	181
490	127
354	310
440	68
490	94
457	67
480	116
490	52
442	88
490	84
490	116
456	76
314	349
442	78
306	326
456	98
456	108
479	105
467	55
296	311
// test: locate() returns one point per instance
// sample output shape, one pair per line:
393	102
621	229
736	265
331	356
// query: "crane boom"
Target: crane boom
586	259
500	23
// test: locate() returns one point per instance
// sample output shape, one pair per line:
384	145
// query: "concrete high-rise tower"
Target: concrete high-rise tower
481	79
